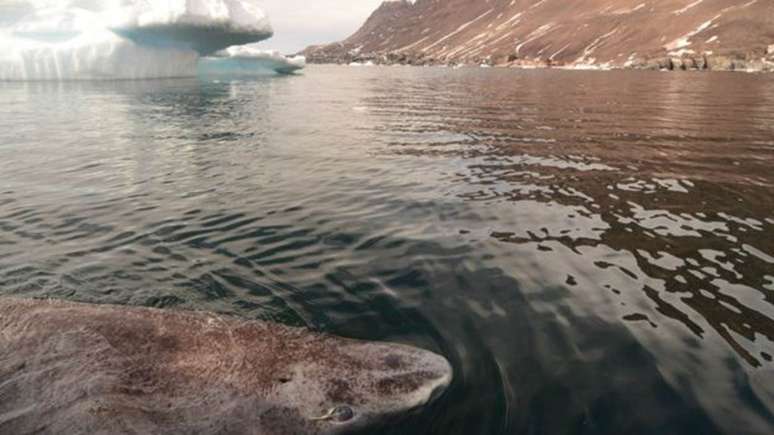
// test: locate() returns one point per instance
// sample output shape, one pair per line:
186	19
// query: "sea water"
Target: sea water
593	251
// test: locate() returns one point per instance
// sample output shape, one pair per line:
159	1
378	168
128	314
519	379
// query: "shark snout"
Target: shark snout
375	383
405	378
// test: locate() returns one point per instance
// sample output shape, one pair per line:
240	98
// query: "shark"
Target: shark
76	368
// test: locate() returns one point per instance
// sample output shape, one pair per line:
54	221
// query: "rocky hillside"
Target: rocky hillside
702	34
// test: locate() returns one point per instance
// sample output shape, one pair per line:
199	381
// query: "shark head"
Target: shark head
348	386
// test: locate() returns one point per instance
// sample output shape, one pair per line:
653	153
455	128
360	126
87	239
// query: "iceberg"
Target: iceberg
129	39
204	26
249	60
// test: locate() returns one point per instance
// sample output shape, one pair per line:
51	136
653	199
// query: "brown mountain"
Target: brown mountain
716	34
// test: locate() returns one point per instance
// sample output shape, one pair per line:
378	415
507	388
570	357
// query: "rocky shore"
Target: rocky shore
746	62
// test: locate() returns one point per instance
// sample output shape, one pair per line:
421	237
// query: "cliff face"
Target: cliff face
638	33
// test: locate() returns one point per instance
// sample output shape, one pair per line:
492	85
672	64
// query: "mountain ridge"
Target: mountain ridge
655	34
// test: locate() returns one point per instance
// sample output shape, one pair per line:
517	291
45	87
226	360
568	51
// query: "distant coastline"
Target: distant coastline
705	62
722	35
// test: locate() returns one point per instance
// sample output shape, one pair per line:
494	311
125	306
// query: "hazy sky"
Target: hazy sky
298	23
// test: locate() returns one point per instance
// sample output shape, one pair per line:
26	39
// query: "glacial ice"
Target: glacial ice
129	39
249	60
205	26
93	55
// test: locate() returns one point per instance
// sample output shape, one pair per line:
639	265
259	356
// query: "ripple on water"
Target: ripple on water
592	251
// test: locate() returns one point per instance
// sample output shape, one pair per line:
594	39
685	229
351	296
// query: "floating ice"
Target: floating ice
124	39
249	60
92	56
205	26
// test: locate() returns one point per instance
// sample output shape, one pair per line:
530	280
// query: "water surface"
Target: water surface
593	251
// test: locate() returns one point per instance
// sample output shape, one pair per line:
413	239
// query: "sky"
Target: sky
299	23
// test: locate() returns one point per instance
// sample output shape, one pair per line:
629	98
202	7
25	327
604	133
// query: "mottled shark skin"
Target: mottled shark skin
71	368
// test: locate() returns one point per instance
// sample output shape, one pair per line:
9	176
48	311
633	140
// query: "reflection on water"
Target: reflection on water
594	252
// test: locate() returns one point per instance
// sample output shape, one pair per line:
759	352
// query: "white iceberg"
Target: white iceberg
249	60
122	39
95	56
205	26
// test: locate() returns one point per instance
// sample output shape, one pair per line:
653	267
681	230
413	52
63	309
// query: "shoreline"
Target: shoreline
561	68
732	62
767	67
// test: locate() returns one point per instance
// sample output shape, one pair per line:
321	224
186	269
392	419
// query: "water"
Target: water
593	251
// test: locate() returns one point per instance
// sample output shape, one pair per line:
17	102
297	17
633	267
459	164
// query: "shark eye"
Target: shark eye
339	414
342	413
